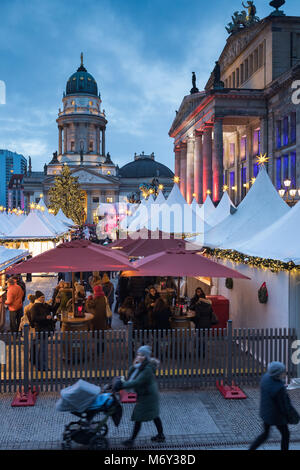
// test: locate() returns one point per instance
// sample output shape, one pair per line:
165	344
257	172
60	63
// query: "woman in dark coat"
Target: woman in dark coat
274	405
150	300
199	294
142	381
97	305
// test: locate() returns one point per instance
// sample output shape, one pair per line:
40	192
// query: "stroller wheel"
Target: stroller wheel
98	443
66	445
103	430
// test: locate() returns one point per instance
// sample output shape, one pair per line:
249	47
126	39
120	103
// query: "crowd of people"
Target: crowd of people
136	299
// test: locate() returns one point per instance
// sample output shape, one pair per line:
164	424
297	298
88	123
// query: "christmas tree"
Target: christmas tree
67	196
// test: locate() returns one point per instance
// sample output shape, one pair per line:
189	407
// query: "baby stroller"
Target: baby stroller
85	400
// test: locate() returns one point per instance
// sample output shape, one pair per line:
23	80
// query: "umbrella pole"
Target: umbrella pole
73	293
178	290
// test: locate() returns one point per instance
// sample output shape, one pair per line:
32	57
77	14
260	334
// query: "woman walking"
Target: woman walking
142	380
275	405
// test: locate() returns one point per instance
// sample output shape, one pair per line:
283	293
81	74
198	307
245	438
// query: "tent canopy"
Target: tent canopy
74	256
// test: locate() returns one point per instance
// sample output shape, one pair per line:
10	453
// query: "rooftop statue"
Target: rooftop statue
242	19
277	4
194	88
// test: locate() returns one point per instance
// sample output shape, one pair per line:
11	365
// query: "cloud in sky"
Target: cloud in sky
141	54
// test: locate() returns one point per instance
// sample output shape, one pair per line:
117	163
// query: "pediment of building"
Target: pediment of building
86	176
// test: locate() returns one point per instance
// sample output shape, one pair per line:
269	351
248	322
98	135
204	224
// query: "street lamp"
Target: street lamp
287	183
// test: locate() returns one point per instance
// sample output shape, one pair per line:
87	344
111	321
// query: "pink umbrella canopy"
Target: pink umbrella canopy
146	243
181	262
74	256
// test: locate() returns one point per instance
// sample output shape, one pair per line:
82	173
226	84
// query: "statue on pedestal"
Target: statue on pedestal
194	88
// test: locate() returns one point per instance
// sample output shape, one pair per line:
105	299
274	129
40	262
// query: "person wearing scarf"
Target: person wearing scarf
142	380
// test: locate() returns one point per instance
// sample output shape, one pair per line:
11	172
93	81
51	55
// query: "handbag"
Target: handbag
292	415
108	309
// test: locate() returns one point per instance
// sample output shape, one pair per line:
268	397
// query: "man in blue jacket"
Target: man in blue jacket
274	403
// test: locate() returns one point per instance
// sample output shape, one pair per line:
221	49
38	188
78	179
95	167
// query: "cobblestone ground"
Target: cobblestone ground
192	419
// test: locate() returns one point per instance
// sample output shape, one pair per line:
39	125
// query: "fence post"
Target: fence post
229	352
26	358
130	345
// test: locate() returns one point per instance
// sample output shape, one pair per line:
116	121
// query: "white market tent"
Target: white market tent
207	209
36	232
261	207
160	198
175	215
9	256
221	211
63	218
279	241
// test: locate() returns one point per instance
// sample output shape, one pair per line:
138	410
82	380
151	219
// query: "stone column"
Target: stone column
97	140
65	138
264	135
60	129
198	167
190	169
207	160
183	148
218	161
237	184
249	134
271	147
103	142
177	160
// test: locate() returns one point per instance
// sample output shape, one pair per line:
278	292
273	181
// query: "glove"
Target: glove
117	384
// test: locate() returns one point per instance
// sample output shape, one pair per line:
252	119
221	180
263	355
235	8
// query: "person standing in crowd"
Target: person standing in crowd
14	302
141	379
275	405
108	289
127	310
137	288
121	291
95	279
199	294
204	319
26	318
150	300
160	315
43	323
141	317
55	304
97	305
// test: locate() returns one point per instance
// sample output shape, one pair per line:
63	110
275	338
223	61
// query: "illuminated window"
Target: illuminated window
231	153
293	168
91	147
109	199
243	147
278	134
72	146
73	103
90	103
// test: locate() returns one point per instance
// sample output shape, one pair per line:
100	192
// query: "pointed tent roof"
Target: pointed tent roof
261	207
222	210
33	227
8	256
160	198
279	241
175	196
61	216
207	208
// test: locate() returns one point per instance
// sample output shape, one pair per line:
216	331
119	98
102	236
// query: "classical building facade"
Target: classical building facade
246	109
81	145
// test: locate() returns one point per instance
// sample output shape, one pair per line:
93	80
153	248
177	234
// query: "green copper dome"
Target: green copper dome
81	82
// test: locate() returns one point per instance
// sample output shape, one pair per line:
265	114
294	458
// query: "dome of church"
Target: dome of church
81	82
145	168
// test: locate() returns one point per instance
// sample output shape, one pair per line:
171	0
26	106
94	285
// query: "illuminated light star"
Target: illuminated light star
262	159
160	186
176	179
208	191
225	188
253	180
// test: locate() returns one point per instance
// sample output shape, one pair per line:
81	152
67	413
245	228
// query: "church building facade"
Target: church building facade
247	109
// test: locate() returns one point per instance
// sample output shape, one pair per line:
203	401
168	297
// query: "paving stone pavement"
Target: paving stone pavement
192	419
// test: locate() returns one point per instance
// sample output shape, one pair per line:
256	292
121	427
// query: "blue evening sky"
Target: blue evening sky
141	53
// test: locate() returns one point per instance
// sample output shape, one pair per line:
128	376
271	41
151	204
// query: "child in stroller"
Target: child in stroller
85	400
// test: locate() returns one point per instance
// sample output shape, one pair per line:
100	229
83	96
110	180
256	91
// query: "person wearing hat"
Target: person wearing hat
41	313
141	379
274	405
97	305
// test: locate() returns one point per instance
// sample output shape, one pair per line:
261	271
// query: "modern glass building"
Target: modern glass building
10	163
